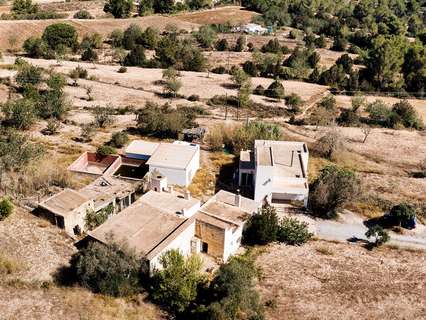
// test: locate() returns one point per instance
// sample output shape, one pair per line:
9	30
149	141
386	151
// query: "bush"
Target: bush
215	138
222	45
330	144
103	116
407	115
119	139
402	214
89	55
379	234
150	38
131	36
35	47
219	70
175	285
95	219
294	101
205	36
92	41
272	46
6	208
105	150
83	14
119	8
339	44
332	189
20	113
122	69
116	37
28	75
60	35
136	57
240	44
107	269
262	227
194	97
293	232
275	90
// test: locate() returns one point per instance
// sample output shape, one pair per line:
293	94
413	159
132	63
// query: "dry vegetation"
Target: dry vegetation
323	280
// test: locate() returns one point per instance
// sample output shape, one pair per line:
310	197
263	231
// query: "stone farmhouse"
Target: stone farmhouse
162	220
276	171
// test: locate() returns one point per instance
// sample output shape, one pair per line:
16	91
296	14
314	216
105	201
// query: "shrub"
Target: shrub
239	77
20	113
119	8
240	44
60	35
35	47
119	139
379	234
52	127
103	116
172	84
330	144
175	285
150	38
262	227
339	44
136	57
222	45
94	219
294	101
219	70
272	46
332	189
28	75
122	69
105	150
89	55
293	232
215	138
93	41
232	292
275	90
407	115
83	14
379	112
6	208
194	97
259	90
107	269
116	37
78	73
402	214
132	36
205	36
250	68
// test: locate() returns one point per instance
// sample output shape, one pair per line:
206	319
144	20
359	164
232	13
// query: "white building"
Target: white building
178	161
277	171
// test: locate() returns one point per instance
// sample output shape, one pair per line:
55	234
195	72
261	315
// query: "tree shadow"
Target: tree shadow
364	243
226	178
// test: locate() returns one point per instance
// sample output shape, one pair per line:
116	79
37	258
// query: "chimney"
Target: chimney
171	189
238	199
184	212
187	195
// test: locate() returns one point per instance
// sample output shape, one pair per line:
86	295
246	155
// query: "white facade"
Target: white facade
277	171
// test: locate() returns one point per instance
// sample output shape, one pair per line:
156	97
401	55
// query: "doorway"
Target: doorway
205	247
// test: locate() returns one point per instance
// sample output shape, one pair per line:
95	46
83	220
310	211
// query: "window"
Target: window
205	247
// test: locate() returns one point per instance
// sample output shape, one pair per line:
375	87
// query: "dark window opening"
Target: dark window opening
205	247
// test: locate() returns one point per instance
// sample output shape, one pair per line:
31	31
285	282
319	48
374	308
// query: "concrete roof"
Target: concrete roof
169	202
284	156
246	159
222	211
143	227
64	202
142	147
103	189
172	155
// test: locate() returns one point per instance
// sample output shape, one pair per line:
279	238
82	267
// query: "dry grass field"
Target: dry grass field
323	280
232	14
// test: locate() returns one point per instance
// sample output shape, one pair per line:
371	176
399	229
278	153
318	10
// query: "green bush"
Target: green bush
119	8
83	14
20	113
293	232
402	213
175	285
262	227
60	35
28	75
89	55
105	150
95	219
275	90
119	139
408	115
205	36
240	44
136	57
222	45
332	189
6	208
78	73
103	116
35	47
107	269
379	234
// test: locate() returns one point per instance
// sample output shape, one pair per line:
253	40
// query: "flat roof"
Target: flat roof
222	209
169	202
142	147
64	202
141	226
173	155
246	159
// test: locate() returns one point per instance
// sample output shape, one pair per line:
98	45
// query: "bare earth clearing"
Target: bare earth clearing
323	280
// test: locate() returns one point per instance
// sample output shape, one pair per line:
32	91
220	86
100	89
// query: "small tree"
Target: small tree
244	93
293	232
107	269
6	208
333	188
83	14
275	90
331	143
103	116
238	76
119	139
205	36
60	35
379	234
94	219
262	227
240	44
87	132
119	8
28	75
222	45
366	130
402	213
105	150
175	285
19	114
172	84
